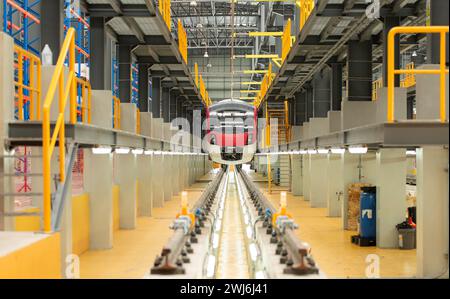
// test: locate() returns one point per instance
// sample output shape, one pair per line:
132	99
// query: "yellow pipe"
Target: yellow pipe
249	72
269	174
259	33
253	56
251	83
248	91
247	98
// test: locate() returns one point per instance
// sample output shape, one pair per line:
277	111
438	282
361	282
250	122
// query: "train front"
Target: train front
231	137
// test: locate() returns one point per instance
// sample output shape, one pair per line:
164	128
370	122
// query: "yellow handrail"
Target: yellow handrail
138	121
196	74
67	90
377	84
409	79
182	41
86	97
164	9
116	113
286	41
33	86
442	30
306	7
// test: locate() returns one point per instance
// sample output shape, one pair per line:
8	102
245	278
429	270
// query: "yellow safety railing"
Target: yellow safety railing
182	41
86	96
116	113
33	87
164	9
409	79
286	41
196	75
138	121
67	90
442	71
377	84
306	7
265	84
286	121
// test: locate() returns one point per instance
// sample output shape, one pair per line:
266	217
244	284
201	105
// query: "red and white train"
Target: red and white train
231	132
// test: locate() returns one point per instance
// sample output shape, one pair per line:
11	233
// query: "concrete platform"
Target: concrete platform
336	256
134	251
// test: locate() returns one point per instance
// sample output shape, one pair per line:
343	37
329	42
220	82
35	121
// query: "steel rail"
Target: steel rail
175	251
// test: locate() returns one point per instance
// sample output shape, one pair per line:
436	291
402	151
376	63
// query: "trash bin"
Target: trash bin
407	238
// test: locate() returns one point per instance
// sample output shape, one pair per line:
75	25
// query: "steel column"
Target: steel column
438	17
98	53
156	97
336	86
52	20
143	87
389	23
322	93
359	66
125	73
165	99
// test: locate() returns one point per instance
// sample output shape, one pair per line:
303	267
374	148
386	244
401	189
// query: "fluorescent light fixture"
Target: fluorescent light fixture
138	151
249	232
148	152
312	151
253	252
101	150
411	152
157	152
260	275
337	150
357	149
322	151
303	152
210	269
215	241
122	150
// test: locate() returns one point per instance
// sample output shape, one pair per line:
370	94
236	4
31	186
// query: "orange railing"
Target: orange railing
116	113
306	7
392	72
66	91
286	41
409	79
86	95
164	9
182	41
33	86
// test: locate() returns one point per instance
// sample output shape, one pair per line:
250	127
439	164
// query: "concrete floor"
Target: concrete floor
331	247
135	250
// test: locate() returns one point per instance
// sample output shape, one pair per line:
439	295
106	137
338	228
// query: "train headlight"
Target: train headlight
212	140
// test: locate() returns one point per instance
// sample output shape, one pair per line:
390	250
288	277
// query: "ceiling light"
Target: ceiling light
199	25
157	152
101	150
322	151
209	65
138	151
148	152
193	3
411	152
122	150
206	54
337	150
357	149
414	54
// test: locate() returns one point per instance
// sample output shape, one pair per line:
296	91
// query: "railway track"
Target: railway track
234	231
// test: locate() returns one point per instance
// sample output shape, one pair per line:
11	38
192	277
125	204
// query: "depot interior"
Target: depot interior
103	174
